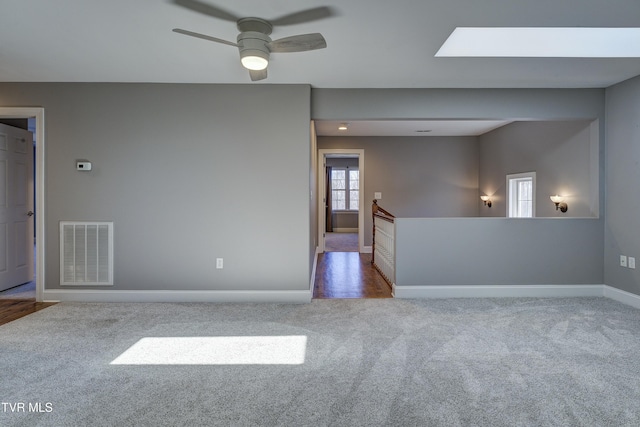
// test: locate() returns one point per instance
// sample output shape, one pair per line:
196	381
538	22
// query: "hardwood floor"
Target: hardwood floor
12	309
348	275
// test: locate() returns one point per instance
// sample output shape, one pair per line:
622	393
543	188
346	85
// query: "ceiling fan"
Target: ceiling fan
254	42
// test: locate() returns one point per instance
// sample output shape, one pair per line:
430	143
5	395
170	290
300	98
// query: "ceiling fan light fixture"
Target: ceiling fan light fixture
254	62
254	53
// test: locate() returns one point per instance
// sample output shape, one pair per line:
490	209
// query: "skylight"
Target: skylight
545	42
242	350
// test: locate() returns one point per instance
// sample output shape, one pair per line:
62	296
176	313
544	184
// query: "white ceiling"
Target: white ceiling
371	43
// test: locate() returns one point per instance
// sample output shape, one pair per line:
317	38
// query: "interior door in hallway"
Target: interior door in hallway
16	207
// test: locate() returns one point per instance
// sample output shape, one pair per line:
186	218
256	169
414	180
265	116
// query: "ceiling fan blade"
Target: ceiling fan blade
308	15
204	37
300	43
258	74
207	9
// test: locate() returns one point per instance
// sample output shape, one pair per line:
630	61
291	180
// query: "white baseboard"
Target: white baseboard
621	296
303	297
498	291
312	281
97	295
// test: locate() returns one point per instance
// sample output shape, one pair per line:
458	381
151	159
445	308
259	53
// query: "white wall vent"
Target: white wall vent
86	253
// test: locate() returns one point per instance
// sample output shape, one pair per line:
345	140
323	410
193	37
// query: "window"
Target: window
345	189
521	195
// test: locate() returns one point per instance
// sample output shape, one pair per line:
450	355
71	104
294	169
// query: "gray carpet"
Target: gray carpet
341	242
462	362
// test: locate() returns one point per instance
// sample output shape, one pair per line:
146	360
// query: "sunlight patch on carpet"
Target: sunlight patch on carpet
241	350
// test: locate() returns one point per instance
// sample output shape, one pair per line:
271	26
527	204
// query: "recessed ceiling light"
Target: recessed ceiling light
547	42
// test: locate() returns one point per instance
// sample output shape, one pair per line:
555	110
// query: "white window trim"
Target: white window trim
513	176
348	189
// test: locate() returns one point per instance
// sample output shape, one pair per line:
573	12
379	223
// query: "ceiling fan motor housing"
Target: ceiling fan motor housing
254	24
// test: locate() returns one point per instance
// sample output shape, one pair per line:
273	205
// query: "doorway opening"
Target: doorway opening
341	205
342	201
35	119
344	267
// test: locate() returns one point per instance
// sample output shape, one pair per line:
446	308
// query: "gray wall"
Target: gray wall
342	162
562	153
420	104
18	123
498	251
622	230
418	176
163	155
188	173
345	220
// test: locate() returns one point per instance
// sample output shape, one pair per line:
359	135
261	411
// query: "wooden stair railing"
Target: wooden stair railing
379	213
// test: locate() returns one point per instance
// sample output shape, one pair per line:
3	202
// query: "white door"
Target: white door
16	207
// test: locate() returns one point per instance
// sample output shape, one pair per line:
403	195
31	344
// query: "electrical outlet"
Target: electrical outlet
219	263
623	260
631	262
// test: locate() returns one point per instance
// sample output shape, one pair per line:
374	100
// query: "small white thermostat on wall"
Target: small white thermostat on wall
83	166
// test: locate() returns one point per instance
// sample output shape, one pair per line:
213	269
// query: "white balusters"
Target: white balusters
384	252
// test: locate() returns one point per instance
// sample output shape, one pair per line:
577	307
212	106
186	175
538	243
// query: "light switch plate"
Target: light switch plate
377	195
631	262
623	260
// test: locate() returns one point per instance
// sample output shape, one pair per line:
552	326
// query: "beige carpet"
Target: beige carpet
341	242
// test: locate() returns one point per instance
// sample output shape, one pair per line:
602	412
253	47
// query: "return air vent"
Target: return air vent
86	253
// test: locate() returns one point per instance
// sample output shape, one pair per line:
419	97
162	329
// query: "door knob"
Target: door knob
30	213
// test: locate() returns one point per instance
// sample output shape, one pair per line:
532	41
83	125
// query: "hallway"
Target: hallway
348	275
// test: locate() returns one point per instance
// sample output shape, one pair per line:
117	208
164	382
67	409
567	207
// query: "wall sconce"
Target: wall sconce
559	202
486	200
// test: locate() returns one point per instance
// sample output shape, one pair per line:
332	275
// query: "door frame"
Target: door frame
38	113
322	155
